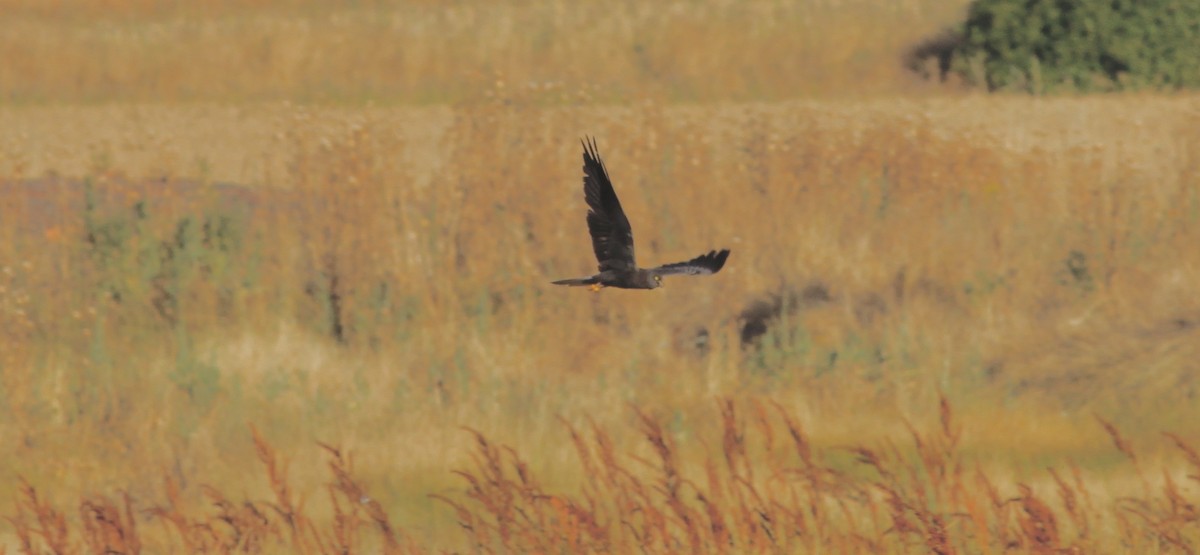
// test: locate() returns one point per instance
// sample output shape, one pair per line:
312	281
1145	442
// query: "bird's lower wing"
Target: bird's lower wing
704	264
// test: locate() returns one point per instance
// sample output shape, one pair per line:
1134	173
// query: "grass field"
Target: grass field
274	278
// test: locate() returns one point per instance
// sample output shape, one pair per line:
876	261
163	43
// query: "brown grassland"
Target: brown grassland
274	278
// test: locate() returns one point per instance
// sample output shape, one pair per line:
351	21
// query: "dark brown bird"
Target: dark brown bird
612	238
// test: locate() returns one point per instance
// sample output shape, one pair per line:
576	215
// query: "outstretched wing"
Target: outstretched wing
704	264
612	238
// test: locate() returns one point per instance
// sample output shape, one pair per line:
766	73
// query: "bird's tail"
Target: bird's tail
577	281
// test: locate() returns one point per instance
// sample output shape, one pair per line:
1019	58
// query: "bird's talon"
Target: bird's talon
595	287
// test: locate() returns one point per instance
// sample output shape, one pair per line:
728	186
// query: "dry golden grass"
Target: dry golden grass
375	277
764	487
387	50
919	245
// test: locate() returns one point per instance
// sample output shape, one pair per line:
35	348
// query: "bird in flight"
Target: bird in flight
612	238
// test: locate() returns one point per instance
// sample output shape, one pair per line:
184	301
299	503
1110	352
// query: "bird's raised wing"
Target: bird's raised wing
704	264
612	238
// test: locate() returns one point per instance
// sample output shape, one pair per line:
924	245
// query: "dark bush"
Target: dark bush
1073	45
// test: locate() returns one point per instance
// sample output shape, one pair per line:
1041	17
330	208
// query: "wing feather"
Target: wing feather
704	264
612	236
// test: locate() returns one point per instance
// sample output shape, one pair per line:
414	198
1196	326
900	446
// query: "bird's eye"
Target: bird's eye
658	279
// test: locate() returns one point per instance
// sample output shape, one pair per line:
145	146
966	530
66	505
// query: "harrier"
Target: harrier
612	238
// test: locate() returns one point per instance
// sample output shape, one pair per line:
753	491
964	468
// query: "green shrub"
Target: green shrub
1076	45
